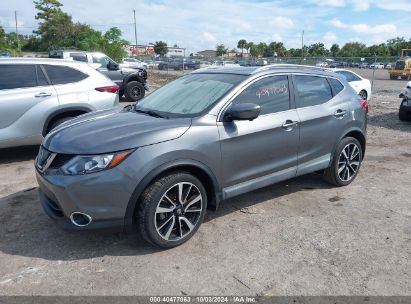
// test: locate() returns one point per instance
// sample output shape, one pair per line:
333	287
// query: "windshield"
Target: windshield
190	95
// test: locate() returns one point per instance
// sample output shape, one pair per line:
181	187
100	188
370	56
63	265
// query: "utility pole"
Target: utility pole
135	29
17	31
302	44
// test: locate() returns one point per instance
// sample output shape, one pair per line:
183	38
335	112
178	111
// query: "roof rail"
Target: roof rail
287	65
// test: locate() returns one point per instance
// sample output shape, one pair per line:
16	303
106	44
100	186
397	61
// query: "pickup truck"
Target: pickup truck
132	82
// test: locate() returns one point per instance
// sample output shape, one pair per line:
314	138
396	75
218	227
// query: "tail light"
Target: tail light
109	89
364	104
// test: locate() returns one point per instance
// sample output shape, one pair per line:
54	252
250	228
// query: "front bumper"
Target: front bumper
103	196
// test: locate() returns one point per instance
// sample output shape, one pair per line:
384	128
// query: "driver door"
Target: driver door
263	151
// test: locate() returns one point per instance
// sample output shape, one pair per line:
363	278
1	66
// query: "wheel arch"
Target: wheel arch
61	113
359	135
199	170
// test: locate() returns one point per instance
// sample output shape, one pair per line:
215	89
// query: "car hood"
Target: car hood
113	130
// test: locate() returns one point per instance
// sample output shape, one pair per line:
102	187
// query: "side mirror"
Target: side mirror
242	111
112	65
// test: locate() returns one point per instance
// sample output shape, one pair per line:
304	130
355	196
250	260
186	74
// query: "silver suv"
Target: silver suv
205	137
36	95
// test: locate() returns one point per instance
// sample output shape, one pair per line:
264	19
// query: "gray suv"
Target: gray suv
203	138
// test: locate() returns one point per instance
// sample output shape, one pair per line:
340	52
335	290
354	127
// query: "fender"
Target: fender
61	111
132	77
128	219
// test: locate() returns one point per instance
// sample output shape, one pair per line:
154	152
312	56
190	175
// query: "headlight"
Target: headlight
84	164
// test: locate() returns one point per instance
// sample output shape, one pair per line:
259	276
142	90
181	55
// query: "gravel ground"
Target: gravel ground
299	237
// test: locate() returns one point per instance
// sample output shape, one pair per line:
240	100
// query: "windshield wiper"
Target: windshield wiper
151	113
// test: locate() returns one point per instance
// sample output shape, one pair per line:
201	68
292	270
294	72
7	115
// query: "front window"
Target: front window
190	95
102	59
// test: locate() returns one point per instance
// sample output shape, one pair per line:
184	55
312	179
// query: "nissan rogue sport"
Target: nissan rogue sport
203	138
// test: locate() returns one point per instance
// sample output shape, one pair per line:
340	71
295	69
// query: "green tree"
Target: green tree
317	49
160	48
242	44
113	45
221	49
353	49
335	48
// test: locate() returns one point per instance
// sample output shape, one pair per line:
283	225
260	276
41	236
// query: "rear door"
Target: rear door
262	151
324	115
23	87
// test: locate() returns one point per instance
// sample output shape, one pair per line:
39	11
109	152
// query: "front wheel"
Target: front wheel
134	91
346	162
403	113
171	209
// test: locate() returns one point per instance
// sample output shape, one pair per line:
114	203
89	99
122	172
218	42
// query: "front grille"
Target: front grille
42	157
400	65
46	160
60	160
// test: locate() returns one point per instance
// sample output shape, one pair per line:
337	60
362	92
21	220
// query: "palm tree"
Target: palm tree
242	44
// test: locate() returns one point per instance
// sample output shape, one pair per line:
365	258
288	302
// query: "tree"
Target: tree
317	49
160	48
113	45
221	49
242	44
335	48
353	49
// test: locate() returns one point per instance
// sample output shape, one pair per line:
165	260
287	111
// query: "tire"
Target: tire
342	178
163	222
393	77
134	91
363	94
403	114
58	122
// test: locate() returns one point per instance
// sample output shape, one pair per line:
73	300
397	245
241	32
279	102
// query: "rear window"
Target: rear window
79	56
337	85
349	76
63	74
13	76
312	90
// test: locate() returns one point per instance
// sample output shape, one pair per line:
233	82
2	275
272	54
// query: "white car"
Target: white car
133	63
377	65
37	95
361	85
225	64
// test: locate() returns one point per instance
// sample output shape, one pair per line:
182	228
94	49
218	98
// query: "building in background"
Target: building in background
175	52
140	50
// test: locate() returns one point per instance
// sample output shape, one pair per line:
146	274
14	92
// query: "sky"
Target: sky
200	25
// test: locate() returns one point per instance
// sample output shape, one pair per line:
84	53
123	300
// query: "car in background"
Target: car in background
132	82
388	66
361	85
37	95
133	63
151	64
405	108
225	63
363	65
377	65
321	64
4	54
208	136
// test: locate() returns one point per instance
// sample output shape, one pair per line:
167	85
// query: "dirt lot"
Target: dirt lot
300	237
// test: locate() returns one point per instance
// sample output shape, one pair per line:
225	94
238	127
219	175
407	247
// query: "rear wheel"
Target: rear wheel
346	162
363	94
403	114
393	77
134	91
171	209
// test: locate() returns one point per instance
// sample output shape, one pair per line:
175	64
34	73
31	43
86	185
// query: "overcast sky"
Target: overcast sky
199	25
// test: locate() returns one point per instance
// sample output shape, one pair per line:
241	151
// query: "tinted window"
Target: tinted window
17	76
63	74
41	78
271	94
103	60
312	90
349	76
337	85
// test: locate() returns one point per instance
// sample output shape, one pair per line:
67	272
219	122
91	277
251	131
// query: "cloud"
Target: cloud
363	28
209	37
329	38
276	37
338	24
332	3
282	23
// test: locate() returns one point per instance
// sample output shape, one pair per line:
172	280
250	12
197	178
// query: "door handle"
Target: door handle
340	113
289	124
42	94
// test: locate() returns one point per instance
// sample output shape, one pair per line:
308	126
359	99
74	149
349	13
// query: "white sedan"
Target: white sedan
361	85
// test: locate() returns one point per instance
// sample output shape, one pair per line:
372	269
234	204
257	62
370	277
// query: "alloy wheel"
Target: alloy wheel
178	212
349	162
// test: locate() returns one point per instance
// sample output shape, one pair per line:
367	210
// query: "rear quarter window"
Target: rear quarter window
337	85
63	74
311	90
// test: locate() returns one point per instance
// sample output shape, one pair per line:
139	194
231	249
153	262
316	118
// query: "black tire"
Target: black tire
58	122
363	94
148	219
134	91
403	114
332	174
393	77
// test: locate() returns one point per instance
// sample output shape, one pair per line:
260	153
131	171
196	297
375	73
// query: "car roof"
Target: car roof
56	61
287	68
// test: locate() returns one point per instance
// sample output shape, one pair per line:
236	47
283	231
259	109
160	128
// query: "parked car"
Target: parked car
4	54
225	63
321	64
363	65
133	63
151	64
361	85
208	136
388	66
133	83
36	95
405	108
377	65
